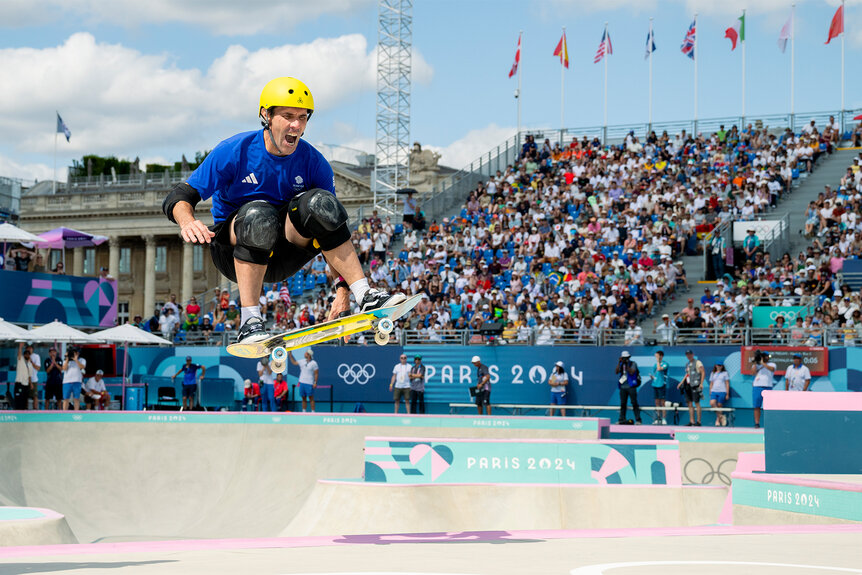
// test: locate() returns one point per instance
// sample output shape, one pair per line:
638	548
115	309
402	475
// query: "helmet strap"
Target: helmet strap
267	126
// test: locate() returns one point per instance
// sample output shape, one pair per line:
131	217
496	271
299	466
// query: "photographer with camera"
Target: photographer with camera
692	386
629	379
764	378
73	377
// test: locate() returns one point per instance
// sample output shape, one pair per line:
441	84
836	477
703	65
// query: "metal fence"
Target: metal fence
716	335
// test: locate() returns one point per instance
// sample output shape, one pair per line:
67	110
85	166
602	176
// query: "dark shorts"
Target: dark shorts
190	390
693	394
399	392
285	261
306	390
659	393
483	397
558	398
53	391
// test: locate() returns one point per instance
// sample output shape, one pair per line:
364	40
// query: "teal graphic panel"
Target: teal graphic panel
798	499
441	461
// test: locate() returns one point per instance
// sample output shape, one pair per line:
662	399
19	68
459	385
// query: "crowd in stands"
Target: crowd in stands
574	240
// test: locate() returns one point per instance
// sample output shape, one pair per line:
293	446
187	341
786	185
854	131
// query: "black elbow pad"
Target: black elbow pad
181	192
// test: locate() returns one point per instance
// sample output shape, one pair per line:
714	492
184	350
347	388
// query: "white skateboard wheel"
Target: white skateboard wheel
279	354
278	366
381	338
385	325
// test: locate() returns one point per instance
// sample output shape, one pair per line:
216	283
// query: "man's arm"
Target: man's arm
203	372
290	357
174	376
316	373
702	372
179	206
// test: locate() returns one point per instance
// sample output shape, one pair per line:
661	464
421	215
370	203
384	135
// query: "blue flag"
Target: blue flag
650	44
62	128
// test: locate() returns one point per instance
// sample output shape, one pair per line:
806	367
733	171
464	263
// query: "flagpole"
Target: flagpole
743	66
649	47
520	47
695	75
606	84
792	61
54	188
843	34
562	88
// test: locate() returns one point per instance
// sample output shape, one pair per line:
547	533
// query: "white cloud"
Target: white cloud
29	172
473	144
119	101
227	17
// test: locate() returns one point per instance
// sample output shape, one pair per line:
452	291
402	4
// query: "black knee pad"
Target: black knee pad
319	215
257	227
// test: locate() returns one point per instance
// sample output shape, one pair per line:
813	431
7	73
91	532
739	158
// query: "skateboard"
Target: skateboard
381	320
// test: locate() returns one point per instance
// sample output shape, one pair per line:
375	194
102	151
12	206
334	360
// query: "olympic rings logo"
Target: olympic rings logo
789	315
709	473
356	373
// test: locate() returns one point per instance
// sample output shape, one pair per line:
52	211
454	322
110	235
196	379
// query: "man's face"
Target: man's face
287	125
797	361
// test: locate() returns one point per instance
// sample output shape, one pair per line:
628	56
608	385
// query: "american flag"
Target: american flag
604	47
284	294
688	43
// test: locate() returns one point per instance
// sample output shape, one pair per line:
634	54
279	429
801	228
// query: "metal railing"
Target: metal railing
715	335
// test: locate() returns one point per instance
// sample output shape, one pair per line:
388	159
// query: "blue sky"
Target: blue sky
163	78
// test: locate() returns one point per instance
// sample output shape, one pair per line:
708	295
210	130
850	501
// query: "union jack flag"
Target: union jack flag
604	47
688	43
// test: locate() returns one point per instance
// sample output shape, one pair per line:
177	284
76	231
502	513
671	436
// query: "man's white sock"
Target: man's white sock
248	312
359	288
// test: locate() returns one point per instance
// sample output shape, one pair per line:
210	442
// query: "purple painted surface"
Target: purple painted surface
327	541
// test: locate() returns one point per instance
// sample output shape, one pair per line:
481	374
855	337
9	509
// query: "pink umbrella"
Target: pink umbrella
62	238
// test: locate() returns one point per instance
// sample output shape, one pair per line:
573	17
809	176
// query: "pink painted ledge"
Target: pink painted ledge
485	484
531	440
775	400
477	536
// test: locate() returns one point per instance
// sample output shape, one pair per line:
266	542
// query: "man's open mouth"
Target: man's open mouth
291	139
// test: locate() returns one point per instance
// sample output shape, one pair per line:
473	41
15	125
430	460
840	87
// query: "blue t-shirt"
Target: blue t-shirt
240	170
190	373
659	378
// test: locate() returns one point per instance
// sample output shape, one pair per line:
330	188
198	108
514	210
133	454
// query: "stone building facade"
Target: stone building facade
128	210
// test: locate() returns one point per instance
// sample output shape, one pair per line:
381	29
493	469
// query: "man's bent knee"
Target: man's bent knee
317	214
256	228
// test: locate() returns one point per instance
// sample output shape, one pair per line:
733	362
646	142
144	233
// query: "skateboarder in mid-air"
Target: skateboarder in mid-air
274	209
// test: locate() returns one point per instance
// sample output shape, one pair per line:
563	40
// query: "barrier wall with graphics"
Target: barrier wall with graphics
519	375
457	461
36	298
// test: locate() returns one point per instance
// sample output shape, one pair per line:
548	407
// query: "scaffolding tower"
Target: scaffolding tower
392	147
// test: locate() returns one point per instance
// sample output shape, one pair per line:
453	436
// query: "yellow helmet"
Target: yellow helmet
286	91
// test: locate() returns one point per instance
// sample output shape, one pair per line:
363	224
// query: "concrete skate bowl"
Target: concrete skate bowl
122	477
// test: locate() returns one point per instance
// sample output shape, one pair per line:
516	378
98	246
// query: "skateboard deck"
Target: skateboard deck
329	330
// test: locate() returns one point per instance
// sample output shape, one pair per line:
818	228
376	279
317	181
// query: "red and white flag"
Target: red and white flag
604	48
785	34
514	69
836	28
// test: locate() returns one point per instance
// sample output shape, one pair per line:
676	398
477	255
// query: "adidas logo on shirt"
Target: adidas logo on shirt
249	179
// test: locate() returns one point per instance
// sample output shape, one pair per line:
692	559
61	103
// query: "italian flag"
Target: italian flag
736	32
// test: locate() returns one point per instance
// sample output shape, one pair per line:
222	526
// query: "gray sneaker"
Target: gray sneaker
252	331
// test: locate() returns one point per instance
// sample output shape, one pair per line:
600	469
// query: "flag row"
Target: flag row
735	33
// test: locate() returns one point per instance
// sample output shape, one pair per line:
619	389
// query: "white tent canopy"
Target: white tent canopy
10	331
60	332
129	333
10	233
